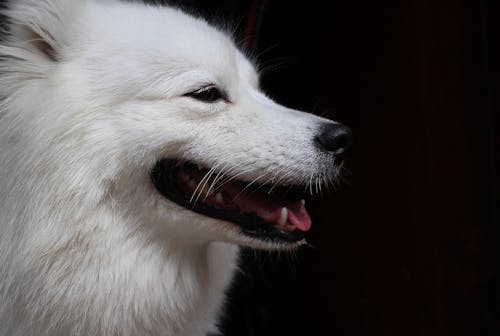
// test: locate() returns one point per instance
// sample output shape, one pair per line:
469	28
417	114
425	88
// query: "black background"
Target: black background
407	245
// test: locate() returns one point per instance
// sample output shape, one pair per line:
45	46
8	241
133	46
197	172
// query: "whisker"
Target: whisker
310	185
245	188
198	187
207	193
214	181
233	177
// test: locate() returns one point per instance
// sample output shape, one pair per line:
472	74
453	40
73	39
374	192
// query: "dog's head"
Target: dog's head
164	117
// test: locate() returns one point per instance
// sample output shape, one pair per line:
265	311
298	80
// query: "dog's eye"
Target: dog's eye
209	94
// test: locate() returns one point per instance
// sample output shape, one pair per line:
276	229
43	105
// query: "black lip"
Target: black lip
163	178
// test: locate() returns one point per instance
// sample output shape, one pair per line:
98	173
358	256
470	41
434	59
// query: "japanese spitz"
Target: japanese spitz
136	153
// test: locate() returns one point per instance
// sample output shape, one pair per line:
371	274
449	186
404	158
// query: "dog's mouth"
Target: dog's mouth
266	212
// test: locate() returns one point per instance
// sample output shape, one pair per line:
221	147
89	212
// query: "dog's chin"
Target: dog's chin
259	216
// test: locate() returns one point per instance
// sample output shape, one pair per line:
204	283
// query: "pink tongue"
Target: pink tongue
269	209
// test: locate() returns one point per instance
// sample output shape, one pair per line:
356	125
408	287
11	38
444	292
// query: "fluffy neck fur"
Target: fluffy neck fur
90	279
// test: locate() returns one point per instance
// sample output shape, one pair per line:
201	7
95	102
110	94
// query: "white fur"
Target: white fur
87	245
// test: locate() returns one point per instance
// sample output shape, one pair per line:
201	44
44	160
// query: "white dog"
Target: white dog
136	153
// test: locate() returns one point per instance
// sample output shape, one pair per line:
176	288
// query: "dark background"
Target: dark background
406	245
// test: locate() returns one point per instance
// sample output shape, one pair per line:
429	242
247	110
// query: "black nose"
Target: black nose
336	139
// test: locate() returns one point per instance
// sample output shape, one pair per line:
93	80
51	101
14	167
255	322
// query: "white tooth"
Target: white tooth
303	201
283	216
218	198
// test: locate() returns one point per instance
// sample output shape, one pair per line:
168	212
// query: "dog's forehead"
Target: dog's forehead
168	34
159	37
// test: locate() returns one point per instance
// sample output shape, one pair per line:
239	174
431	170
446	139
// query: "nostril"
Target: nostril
335	138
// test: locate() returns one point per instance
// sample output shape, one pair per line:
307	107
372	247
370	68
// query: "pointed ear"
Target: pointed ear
38	26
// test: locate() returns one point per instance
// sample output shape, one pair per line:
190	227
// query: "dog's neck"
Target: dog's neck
166	288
